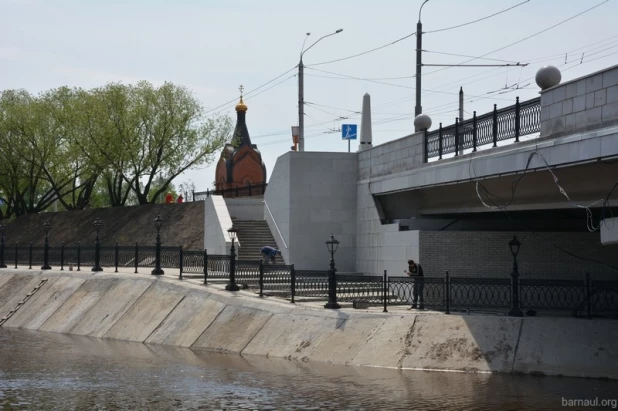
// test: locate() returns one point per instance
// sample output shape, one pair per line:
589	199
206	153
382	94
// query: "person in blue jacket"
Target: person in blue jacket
269	253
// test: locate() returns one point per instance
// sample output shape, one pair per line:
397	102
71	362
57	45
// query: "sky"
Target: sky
213	46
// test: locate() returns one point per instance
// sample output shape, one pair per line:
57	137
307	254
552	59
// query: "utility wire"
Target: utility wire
251	91
410	35
464	55
344	76
475	21
525	38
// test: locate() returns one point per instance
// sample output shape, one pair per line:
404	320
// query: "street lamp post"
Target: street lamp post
332	245
157	270
515	310
232	286
97	246
2	228
419	52
301	90
46	227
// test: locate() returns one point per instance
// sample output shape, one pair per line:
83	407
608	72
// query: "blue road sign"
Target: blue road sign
348	131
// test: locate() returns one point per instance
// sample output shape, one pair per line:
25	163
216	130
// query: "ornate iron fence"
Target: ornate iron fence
507	123
238	191
277	280
479	292
430	291
360	288
579	297
311	283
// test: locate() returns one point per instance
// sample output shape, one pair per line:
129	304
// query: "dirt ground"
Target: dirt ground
183	224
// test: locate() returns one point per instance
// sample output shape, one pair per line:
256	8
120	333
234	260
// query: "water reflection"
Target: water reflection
52	371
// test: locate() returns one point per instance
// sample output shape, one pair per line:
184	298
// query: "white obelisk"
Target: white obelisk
365	134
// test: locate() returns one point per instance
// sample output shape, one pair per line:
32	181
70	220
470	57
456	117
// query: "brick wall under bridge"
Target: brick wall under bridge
487	254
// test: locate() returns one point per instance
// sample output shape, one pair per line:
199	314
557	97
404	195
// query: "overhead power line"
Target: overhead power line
413	34
525	38
250	91
475	21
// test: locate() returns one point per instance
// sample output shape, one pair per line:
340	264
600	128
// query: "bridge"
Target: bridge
454	195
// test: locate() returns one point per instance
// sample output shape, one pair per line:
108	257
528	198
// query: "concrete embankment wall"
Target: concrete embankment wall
148	309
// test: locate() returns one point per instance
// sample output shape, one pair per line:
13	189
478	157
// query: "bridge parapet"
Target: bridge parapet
584	104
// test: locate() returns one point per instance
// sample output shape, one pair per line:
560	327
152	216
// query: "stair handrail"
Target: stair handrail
275	223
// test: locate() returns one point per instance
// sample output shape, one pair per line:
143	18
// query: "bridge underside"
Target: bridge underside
533	201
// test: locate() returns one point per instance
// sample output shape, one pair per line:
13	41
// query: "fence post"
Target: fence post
62	256
249	189
205	267
456	136
79	254
447	292
136	256
16	254
180	260
30	256
293	282
116	257
494	127
588	303
474	132
517	119
440	143
192	195
237	191
261	278
385	291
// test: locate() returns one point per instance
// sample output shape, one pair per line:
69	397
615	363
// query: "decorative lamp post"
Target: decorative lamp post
157	270
2	228
46	227
332	245
97	246
514	244
232	286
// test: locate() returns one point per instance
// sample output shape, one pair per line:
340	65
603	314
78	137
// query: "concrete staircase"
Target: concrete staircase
253	235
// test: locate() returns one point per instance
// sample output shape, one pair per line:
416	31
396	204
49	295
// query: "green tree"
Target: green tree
158	133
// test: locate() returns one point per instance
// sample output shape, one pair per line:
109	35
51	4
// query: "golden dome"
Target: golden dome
241	106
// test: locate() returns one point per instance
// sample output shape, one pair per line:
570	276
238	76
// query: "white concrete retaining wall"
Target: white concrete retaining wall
217	221
245	208
381	246
311	196
148	309
277	205
323	202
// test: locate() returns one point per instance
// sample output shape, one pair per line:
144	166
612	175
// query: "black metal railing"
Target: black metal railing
311	283
583	297
511	122
239	191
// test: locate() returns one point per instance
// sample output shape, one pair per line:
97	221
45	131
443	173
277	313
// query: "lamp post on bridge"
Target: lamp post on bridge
232	286
301	89
332	245
515	311
46	227
97	246
157	270
2	229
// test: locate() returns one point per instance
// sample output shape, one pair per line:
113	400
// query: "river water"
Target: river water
44	371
